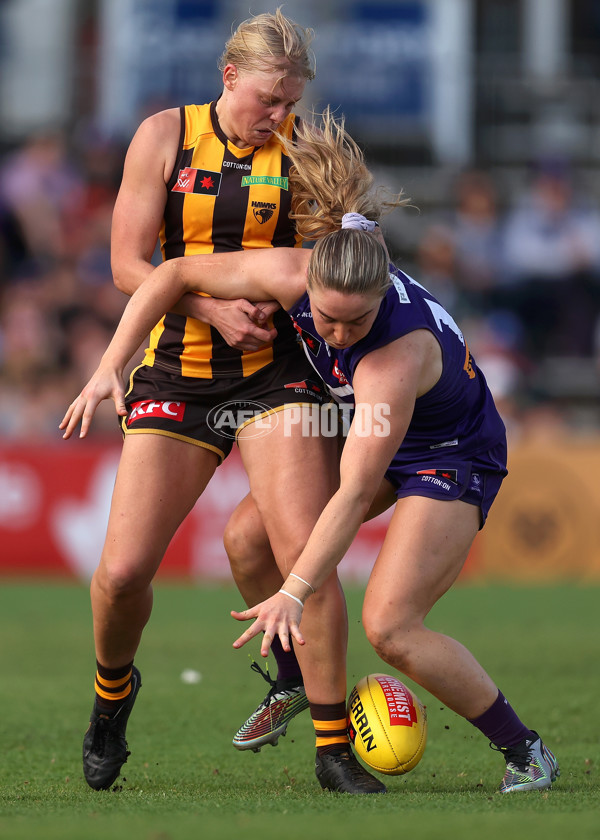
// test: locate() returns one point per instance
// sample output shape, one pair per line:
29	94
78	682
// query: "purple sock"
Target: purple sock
501	725
287	664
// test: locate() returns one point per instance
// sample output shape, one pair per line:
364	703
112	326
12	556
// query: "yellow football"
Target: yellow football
387	724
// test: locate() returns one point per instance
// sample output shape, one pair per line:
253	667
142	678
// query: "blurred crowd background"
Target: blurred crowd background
486	113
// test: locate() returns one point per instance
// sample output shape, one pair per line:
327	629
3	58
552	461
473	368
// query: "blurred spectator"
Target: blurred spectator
552	256
460	255
58	304
39	188
436	266
92	266
477	235
27	339
29	358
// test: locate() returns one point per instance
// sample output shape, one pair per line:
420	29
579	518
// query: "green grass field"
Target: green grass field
185	780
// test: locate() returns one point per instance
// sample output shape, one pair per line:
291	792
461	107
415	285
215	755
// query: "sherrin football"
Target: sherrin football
387	724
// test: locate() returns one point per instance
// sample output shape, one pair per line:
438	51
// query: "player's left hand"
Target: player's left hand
279	616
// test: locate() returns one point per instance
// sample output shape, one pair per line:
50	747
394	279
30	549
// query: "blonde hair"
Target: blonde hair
271	42
350	261
328	179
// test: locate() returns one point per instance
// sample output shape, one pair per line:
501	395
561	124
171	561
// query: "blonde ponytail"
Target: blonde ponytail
329	178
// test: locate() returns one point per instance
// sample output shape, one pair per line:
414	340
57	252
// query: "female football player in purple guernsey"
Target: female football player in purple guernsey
425	436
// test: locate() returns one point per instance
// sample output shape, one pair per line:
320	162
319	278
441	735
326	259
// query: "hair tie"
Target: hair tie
356	221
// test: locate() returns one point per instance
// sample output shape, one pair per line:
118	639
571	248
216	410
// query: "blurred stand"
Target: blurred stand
58	304
552	265
486	112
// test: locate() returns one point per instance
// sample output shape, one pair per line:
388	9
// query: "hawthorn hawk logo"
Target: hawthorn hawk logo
262	215
263	211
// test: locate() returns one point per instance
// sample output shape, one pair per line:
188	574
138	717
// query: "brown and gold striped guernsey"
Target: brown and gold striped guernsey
221	198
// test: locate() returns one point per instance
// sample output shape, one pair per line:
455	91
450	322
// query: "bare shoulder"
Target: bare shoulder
412	363
157	139
162	123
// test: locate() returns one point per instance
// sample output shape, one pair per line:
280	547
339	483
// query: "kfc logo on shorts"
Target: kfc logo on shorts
164	410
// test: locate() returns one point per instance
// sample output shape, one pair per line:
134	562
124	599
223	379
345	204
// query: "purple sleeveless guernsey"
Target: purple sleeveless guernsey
457	419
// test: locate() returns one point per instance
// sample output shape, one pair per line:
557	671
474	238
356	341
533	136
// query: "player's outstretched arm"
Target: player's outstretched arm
259	274
161	291
386	383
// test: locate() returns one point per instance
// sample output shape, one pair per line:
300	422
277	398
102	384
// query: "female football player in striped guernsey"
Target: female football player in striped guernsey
209	179
436	446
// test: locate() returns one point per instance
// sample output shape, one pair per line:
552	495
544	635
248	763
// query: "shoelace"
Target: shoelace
276	686
267	677
101	733
345	760
519	755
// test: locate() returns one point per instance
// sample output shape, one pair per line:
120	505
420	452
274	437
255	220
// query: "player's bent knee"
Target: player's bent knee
329	596
247	546
120	580
390	641
243	540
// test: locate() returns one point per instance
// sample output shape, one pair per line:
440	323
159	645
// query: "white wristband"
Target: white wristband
292	574
297	600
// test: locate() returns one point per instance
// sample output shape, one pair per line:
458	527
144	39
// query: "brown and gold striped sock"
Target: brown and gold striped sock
329	720
113	685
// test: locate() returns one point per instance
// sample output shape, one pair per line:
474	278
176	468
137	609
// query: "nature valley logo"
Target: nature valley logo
270	180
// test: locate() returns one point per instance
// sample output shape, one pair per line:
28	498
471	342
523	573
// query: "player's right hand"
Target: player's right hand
102	385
